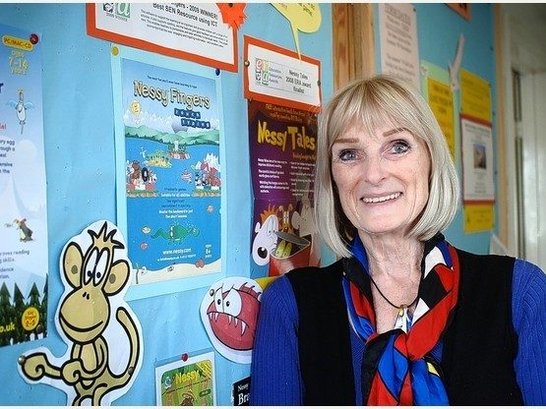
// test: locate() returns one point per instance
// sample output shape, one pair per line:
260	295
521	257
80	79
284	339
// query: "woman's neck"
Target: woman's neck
395	267
396	257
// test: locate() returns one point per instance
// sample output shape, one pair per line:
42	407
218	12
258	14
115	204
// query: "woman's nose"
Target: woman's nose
373	170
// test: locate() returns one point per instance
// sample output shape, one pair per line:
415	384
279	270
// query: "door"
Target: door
533	150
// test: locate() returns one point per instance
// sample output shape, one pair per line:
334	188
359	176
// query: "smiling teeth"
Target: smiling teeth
380	199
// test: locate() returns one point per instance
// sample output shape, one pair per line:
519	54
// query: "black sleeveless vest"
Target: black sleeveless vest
480	344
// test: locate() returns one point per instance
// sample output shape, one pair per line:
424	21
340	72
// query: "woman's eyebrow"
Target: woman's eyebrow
393	131
345	140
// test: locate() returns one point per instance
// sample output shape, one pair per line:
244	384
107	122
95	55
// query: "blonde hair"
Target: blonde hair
373	103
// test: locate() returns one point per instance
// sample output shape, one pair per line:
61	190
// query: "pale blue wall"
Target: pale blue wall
79	150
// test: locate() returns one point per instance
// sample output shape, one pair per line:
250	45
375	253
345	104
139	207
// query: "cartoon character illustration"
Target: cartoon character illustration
135	176
93	278
136	110
140	179
211	178
284	217
207	174
159	159
25	234
143	153
265	240
176	233
229	313
186	176
178	152
305	223
21	108
187	399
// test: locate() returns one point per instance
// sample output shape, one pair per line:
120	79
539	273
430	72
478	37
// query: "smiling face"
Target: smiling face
381	178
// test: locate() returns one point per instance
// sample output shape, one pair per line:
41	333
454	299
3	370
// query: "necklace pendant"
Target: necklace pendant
401	310
401	321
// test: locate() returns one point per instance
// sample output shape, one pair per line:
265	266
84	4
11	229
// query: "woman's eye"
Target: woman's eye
400	147
346	155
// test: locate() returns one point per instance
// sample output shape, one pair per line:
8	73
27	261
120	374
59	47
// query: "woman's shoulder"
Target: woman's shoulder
313	276
278	299
301	282
497	268
528	269
335	266
529	282
490	263
518	266
483	258
308	286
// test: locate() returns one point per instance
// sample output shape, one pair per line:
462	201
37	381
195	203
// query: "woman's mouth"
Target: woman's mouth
381	199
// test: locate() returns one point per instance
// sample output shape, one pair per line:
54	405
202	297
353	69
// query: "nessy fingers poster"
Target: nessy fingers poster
170	151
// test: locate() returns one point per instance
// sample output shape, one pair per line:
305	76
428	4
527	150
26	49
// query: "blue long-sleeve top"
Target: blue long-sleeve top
276	378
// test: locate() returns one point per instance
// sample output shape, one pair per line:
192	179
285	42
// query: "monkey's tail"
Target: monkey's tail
130	328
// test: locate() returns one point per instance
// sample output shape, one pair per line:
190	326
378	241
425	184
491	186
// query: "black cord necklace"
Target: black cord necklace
402	307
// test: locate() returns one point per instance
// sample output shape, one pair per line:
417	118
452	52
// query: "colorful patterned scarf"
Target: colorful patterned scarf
398	367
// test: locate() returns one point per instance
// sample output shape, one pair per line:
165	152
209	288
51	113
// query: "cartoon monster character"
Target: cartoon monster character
92	278
265	240
229	312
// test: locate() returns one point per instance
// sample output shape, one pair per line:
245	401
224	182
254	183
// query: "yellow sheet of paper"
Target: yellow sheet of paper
475	96
478	217
440	100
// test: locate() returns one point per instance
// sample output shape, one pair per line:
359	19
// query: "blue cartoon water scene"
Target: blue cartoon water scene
173	180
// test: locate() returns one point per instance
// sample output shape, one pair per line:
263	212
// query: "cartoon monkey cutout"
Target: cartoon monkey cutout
95	322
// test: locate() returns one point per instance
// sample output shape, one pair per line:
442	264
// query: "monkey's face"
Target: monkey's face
84	314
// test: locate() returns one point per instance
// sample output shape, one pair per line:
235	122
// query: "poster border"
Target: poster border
94	31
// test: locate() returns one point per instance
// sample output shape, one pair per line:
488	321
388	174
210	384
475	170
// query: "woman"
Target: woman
402	317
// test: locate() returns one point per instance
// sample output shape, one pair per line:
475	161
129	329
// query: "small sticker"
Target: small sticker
30	318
